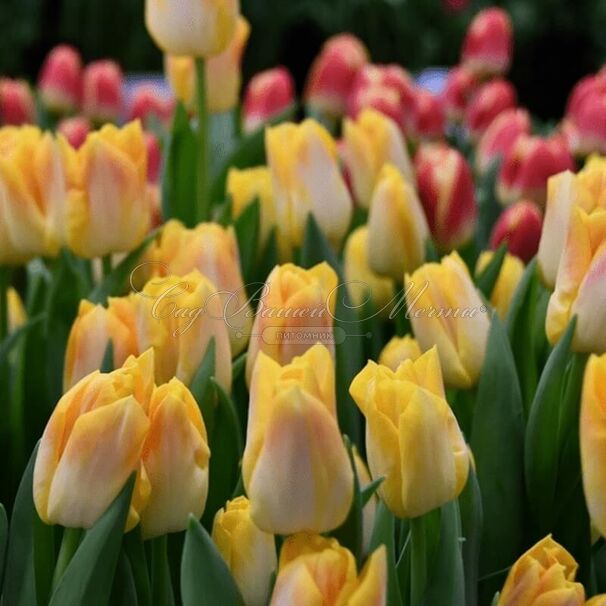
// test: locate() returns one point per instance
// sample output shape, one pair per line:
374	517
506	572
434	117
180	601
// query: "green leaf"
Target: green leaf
162	591
3	542
370	490
424	542
135	551
489	208
124	592
488	277
202	389
89	575
205	577
470	505
247	227
107	363
44	558
11	341
431	252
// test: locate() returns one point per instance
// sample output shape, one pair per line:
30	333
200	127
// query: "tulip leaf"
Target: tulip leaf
205	577
161	588
124	592
470	505
489	207
490	274
431	252
44	558
3	542
107	363
10	342
89	576
423	544
135	552
370	490
202	389
247	227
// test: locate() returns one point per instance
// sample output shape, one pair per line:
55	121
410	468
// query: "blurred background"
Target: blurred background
565	37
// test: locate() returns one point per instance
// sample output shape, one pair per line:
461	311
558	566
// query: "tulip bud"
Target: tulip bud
398	350
447	192
60	81
445	308
362	282
369	143
586	116
427	120
488	44
108	215
397	228
102	91
520	228
293	433
379	97
420	421
200	28
306	179
543	575
148	104
75	130
317	570
17	316
579	283
332	74
154	157
17	105
181	75
249	552
268	94
459	88
507	282
528	165
501	136
487	103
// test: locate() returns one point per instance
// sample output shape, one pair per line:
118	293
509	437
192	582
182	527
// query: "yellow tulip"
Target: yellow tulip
413	440
362	281
201	28
399	349
249	552
397	228
306	179
108	209
543	575
317	570
17	315
445	309
581	283
598	600
507	282
296	469
295	311
370	142
180	71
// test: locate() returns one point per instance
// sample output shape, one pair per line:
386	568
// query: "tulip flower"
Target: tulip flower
17	105
370	142
102	91
427	120
598	600
488	44
528	165
108	209
268	94
501	136
507	282
490	100
17	316
295	311
460	86
580	280
317	570
447	192
296	470
154	157
398	350
397	228
413	440
362	282
147	103
175	457
249	552
60	81
75	130
213	251
332	74
306	179
520	228
92	443
181	76
446	310
543	575
381	98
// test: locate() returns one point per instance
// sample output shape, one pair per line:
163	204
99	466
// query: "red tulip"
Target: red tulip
586	116
154	157
60	81
147	102
520	227
487	103
460	86
16	103
102	91
427	120
75	130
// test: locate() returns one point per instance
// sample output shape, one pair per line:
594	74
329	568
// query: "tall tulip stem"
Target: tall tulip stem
203	210
4	284
418	561
162	590
69	545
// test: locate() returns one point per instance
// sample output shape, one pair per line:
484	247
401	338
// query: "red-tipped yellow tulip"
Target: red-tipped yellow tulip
490	100
75	130
398	350
460	86
102	97
519	227
507	282
60	82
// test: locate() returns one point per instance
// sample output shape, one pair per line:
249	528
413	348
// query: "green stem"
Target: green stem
4	284
418	561
69	545
203	209
106	261
162	590
138	563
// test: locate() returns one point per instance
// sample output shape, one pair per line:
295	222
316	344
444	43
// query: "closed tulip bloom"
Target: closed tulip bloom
362	281
200	28
306	179
102	91
543	575
148	104
60	81
175	457
446	310
17	106
293	302
586	115
317	570
490	100
268	94
379	97
181	75
580	282
17	316
75	130
427	119
296	470
154	157
460	86
398	350
447	193
507	282
397	228
412	436
598	600
249	552
370	142
108	209
519	226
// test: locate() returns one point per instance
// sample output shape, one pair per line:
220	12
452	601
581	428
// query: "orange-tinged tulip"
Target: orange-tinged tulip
398	350
17	315
181	75
296	470
507	282
317	570
543	575
249	552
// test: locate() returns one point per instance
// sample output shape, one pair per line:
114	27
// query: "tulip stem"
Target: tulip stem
203	210
106	262
418	561
162	589
4	284
69	545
